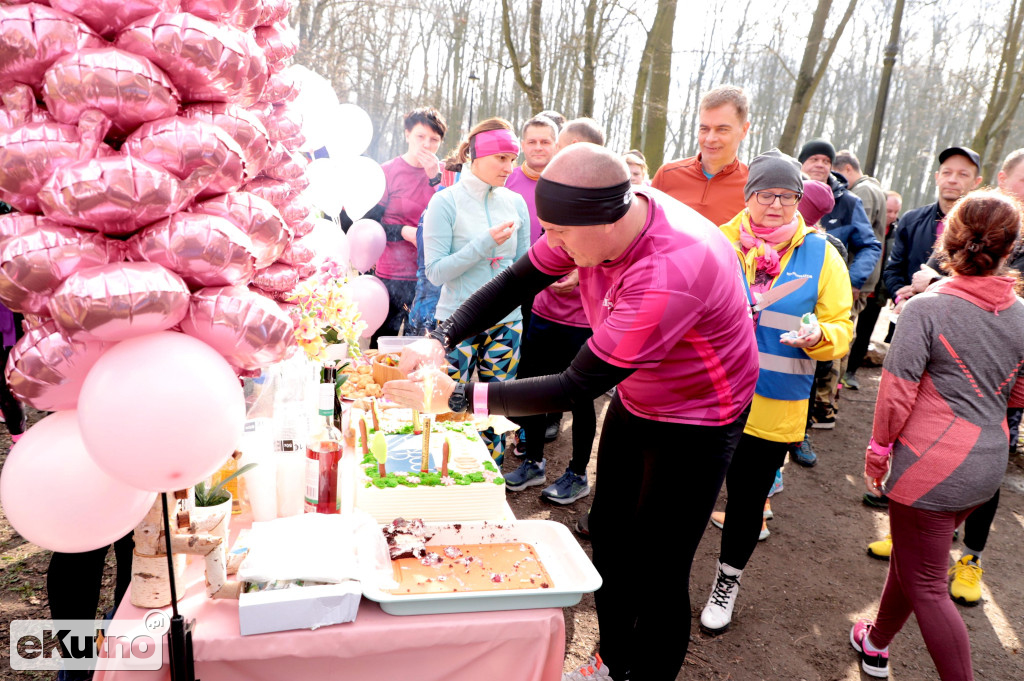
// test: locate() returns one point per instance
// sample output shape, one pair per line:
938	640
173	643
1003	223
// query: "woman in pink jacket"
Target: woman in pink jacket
938	446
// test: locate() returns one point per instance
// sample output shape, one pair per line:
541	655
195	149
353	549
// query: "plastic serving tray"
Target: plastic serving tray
568	566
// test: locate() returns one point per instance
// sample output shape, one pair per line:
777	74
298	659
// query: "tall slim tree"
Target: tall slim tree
812	69
891	50
534	87
1007	90
653	82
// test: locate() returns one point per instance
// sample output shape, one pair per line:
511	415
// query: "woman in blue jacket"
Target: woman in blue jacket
471	233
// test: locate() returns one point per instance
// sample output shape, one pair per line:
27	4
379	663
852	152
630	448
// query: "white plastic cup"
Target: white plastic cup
291	481
261	482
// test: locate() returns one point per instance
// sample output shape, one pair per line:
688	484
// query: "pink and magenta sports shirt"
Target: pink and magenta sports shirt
406	197
673	308
563	309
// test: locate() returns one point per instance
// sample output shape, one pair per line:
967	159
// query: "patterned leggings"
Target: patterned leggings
494	355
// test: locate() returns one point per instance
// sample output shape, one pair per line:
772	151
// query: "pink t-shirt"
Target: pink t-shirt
563	309
406	197
672	306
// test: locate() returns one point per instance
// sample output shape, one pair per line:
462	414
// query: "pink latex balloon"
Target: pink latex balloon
107	17
256	217
34	263
242	14
55	496
116	195
161	412
290	169
184	146
297	253
204	250
366	241
33	37
207	62
119	301
249	330
281	87
275	191
46	368
279	277
127	88
243	126
371	299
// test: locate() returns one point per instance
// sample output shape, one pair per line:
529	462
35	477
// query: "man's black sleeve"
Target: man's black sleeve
586	379
493	301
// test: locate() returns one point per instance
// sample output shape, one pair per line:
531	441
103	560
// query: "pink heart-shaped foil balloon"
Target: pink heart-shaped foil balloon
13	224
279	41
19	107
184	146
46	368
296	209
256	217
127	88
281	87
33	37
242	126
277	192
273	11
107	17
301	228
279	278
249	330
207	62
119	301
284	123
292	168
116	195
35	262
242	14
29	155
204	250
297	253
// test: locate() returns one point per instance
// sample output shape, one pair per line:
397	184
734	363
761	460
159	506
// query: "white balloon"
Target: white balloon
327	241
350	133
362	185
326	177
318	102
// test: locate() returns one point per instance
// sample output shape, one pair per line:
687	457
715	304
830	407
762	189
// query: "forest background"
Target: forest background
639	67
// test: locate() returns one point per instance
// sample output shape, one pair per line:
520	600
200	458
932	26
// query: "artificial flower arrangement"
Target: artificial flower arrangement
325	313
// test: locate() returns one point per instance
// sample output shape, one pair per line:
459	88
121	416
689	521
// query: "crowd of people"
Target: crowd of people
725	307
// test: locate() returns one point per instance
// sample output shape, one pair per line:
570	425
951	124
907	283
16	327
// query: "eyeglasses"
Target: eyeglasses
787	199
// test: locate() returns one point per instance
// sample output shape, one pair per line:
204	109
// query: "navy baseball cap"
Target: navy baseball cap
971	155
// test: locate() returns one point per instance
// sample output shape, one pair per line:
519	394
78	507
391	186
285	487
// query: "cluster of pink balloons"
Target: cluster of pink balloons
159	198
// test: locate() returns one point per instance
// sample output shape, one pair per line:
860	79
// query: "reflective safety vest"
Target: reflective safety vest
787	373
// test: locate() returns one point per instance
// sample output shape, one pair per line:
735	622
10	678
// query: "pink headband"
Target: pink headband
493	142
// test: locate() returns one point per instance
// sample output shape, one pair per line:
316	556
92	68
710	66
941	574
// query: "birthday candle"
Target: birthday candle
363	437
445	452
380	452
425	461
373	413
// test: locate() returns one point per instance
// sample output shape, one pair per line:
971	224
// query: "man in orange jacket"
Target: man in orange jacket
712	182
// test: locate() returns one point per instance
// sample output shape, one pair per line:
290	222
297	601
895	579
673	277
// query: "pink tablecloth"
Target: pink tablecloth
514	644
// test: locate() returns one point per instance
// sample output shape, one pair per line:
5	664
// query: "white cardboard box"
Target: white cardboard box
307	607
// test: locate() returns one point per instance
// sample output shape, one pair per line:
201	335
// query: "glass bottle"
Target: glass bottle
323	452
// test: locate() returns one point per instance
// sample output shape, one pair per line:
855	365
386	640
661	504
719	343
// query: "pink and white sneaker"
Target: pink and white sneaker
874	662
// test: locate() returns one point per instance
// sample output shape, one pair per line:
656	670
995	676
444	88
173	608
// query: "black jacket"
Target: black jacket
849	223
911	247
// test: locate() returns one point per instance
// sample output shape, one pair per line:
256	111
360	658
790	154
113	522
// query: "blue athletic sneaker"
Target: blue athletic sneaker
803	454
566	489
528	474
777	485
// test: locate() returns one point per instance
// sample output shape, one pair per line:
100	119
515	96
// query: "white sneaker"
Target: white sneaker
717	614
591	670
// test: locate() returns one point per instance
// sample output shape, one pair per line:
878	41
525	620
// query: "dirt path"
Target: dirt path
801	590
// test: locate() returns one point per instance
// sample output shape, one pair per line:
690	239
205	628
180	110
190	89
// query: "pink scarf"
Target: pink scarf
763	247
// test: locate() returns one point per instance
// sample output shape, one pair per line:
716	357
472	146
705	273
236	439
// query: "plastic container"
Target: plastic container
386	344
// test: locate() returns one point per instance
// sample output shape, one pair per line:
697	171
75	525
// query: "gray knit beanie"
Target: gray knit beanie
773	169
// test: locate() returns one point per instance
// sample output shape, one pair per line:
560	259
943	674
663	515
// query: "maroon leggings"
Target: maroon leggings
917	583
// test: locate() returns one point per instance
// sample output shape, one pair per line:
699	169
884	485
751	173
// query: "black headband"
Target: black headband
563	204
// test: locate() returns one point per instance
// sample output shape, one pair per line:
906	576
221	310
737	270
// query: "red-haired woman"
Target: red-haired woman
938	446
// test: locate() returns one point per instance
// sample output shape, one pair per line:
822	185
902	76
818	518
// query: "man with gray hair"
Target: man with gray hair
580	130
663	290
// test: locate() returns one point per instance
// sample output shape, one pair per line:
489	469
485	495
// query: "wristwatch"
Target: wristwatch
436	180
457	401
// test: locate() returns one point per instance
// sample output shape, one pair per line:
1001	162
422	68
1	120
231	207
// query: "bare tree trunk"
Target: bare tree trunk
891	50
812	69
1007	90
534	88
656	116
643	77
589	59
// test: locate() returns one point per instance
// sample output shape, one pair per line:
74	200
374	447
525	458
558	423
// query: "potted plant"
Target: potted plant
214	501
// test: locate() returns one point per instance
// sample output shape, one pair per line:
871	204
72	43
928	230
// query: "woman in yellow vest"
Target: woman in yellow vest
776	247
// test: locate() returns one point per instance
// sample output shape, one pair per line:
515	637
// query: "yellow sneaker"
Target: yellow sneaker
965	585
881	549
